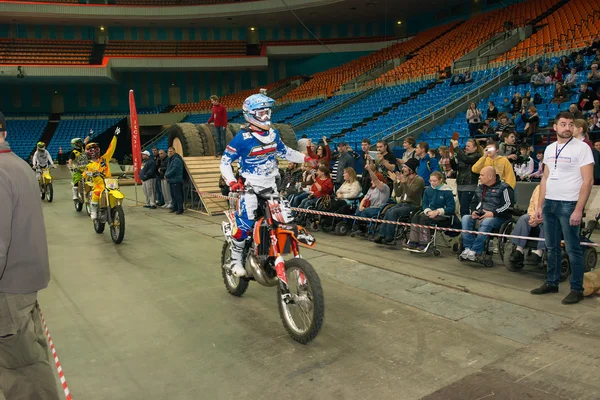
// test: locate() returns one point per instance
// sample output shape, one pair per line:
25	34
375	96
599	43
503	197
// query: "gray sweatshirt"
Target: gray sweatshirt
24	265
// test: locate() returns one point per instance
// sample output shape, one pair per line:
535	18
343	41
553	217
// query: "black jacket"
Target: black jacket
499	199
462	163
149	170
162	166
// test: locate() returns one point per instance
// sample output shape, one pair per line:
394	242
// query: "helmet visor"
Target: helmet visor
263	114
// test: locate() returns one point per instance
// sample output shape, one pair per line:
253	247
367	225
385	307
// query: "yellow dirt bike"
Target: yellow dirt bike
110	210
46	188
84	195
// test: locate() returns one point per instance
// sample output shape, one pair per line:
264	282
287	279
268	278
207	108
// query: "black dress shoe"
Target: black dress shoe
173	211
152	207
535	259
545	288
378	240
573	298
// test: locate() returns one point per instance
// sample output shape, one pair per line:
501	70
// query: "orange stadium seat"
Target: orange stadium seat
231	101
571	27
460	41
327	82
42	51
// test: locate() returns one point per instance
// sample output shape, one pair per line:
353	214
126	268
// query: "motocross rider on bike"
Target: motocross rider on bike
256	146
78	161
99	164
41	159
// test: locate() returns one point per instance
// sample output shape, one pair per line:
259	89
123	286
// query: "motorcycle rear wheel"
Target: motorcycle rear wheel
307	301
99	226
234	285
117	228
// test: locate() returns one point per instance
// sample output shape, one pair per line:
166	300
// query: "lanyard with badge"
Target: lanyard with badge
554	171
5	151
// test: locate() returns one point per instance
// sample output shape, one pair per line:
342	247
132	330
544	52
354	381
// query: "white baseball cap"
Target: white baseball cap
146	153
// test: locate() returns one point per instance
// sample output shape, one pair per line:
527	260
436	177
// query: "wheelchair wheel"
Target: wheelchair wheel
590	257
565	267
509	247
342	228
437	253
488	262
456	247
505	229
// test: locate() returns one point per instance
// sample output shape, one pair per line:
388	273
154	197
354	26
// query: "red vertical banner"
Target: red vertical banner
136	147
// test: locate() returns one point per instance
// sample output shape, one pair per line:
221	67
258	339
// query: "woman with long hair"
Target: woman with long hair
323	152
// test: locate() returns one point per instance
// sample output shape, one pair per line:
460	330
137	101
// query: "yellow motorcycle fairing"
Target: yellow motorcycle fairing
46	177
115	198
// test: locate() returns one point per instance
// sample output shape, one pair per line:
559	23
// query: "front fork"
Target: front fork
280	268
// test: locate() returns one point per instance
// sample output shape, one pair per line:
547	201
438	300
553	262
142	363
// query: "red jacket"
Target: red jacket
219	115
326	187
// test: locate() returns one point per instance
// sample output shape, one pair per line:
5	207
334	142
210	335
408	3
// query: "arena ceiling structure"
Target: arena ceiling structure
263	12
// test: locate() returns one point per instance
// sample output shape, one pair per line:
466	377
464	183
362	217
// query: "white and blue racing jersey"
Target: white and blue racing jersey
257	156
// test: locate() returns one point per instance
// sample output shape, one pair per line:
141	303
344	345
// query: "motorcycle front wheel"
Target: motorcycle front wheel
234	285
117	228
303	313
78	205
49	192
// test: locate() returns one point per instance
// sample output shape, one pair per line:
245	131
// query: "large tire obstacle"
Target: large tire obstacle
192	140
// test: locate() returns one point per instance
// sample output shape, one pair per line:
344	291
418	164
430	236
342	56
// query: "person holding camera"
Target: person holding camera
474	117
490	208
501	164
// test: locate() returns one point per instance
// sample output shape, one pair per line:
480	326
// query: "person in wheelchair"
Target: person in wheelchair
408	190
323	186
438	209
376	197
490	207
350	189
342	203
291	181
523	228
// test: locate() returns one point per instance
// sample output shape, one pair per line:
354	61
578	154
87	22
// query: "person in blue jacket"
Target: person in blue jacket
438	209
427	165
174	176
256	146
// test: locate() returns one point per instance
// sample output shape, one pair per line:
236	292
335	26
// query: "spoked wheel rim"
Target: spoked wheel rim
232	280
117	225
299	313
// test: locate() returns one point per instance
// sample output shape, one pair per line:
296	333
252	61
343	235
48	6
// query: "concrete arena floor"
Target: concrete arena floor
150	319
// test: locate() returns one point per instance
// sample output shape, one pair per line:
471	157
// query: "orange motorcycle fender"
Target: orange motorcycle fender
256	233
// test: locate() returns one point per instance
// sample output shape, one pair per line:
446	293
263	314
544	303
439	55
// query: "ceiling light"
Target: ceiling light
252	29
399	22
102	28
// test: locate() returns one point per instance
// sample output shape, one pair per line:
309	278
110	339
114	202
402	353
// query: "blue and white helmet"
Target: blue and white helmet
257	111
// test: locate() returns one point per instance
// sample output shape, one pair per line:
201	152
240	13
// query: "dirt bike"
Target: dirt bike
46	188
299	293
84	195
110	209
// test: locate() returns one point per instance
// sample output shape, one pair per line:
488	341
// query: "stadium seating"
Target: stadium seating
572	26
72	128
23	134
37	51
172	48
443	52
327	82
231	101
441	134
289	111
321	108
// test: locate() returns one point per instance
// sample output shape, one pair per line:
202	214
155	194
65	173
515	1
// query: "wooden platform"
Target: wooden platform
204	173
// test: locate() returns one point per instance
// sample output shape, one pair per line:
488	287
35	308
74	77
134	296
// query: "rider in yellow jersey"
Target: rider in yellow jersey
99	163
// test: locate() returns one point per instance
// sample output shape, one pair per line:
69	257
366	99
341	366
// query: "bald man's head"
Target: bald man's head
488	176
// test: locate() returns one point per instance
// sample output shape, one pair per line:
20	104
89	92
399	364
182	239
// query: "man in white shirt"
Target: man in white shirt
564	191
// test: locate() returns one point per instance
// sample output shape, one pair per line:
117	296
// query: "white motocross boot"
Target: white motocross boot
237	255
94	210
75	193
